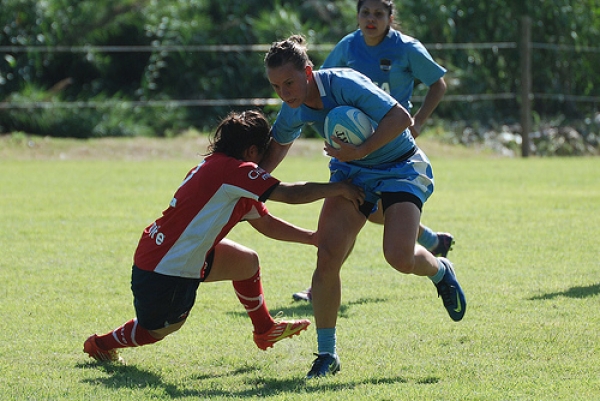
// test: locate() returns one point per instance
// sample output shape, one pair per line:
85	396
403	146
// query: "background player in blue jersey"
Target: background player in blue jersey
393	61
388	166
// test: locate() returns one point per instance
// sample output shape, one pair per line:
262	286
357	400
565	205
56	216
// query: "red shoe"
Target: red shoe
279	331
94	351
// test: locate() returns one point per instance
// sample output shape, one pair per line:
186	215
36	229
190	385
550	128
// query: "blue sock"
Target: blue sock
428	238
437	277
326	340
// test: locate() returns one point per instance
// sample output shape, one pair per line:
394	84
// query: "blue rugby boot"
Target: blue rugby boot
325	364
451	293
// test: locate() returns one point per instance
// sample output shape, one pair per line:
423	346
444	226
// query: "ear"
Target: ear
308	70
250	154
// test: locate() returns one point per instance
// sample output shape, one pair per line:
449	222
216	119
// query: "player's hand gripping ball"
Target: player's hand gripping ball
348	124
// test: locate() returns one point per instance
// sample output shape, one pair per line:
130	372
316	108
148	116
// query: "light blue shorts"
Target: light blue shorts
412	176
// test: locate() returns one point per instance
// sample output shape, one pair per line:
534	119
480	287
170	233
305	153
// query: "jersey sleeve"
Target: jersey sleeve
250	181
287	126
257	210
422	64
338	56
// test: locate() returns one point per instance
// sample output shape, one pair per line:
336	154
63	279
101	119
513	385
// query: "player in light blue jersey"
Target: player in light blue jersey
393	61
388	166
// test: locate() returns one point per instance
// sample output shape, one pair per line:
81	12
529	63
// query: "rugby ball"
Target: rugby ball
349	124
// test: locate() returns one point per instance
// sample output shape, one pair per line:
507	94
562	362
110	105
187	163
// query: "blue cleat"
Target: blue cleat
325	364
445	242
451	293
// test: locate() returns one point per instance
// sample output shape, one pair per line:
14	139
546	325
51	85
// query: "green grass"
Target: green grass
526	254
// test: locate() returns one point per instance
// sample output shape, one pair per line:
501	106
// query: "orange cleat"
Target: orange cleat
94	351
279	331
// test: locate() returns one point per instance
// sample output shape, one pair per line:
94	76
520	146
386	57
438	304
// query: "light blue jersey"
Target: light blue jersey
343	87
393	65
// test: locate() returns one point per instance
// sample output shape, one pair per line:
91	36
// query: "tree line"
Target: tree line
30	75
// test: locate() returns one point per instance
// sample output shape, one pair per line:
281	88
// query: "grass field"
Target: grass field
527	255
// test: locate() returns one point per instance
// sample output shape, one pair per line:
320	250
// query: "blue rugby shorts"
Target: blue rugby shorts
413	177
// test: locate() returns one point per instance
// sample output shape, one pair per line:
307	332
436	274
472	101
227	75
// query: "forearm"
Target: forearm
432	99
281	230
305	192
390	126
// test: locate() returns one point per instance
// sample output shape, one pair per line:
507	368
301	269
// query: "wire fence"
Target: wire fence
493	46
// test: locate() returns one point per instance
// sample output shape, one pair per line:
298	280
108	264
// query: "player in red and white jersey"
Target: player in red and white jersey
216	195
187	244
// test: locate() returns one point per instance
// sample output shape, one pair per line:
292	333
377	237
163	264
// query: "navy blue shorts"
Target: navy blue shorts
162	300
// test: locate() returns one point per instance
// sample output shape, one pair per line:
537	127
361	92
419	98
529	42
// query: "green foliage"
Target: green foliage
162	75
117	120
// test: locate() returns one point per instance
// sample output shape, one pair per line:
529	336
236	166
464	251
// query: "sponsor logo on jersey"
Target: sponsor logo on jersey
258	173
385	64
155	234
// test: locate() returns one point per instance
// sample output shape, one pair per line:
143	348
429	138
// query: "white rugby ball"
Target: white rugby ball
349	124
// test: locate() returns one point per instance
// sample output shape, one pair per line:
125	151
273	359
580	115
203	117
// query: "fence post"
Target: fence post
525	59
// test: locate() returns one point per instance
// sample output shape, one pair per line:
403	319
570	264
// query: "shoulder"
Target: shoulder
406	41
343	73
351	37
345	81
230	166
348	43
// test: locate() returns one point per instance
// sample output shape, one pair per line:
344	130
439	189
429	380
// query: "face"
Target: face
290	84
374	20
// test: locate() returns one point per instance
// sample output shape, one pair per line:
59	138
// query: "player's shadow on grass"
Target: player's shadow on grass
133	377
579	292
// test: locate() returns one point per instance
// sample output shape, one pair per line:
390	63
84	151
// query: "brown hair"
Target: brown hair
292	50
238	131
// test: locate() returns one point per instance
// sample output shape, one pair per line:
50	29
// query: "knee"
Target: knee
402	261
165	331
329	262
251	263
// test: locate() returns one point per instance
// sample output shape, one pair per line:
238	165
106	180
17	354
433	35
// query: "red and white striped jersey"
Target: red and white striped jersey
214	197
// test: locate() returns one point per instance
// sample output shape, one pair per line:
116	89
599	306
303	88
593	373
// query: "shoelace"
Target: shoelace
320	363
445	291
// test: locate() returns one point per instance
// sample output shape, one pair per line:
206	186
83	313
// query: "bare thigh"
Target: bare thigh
233	262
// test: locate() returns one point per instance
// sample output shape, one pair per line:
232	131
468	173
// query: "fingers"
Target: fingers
345	152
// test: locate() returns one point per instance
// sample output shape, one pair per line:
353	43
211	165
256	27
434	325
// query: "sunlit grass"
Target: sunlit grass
526	255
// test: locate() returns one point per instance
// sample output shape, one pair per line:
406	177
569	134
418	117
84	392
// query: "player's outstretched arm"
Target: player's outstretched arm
307	192
276	228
